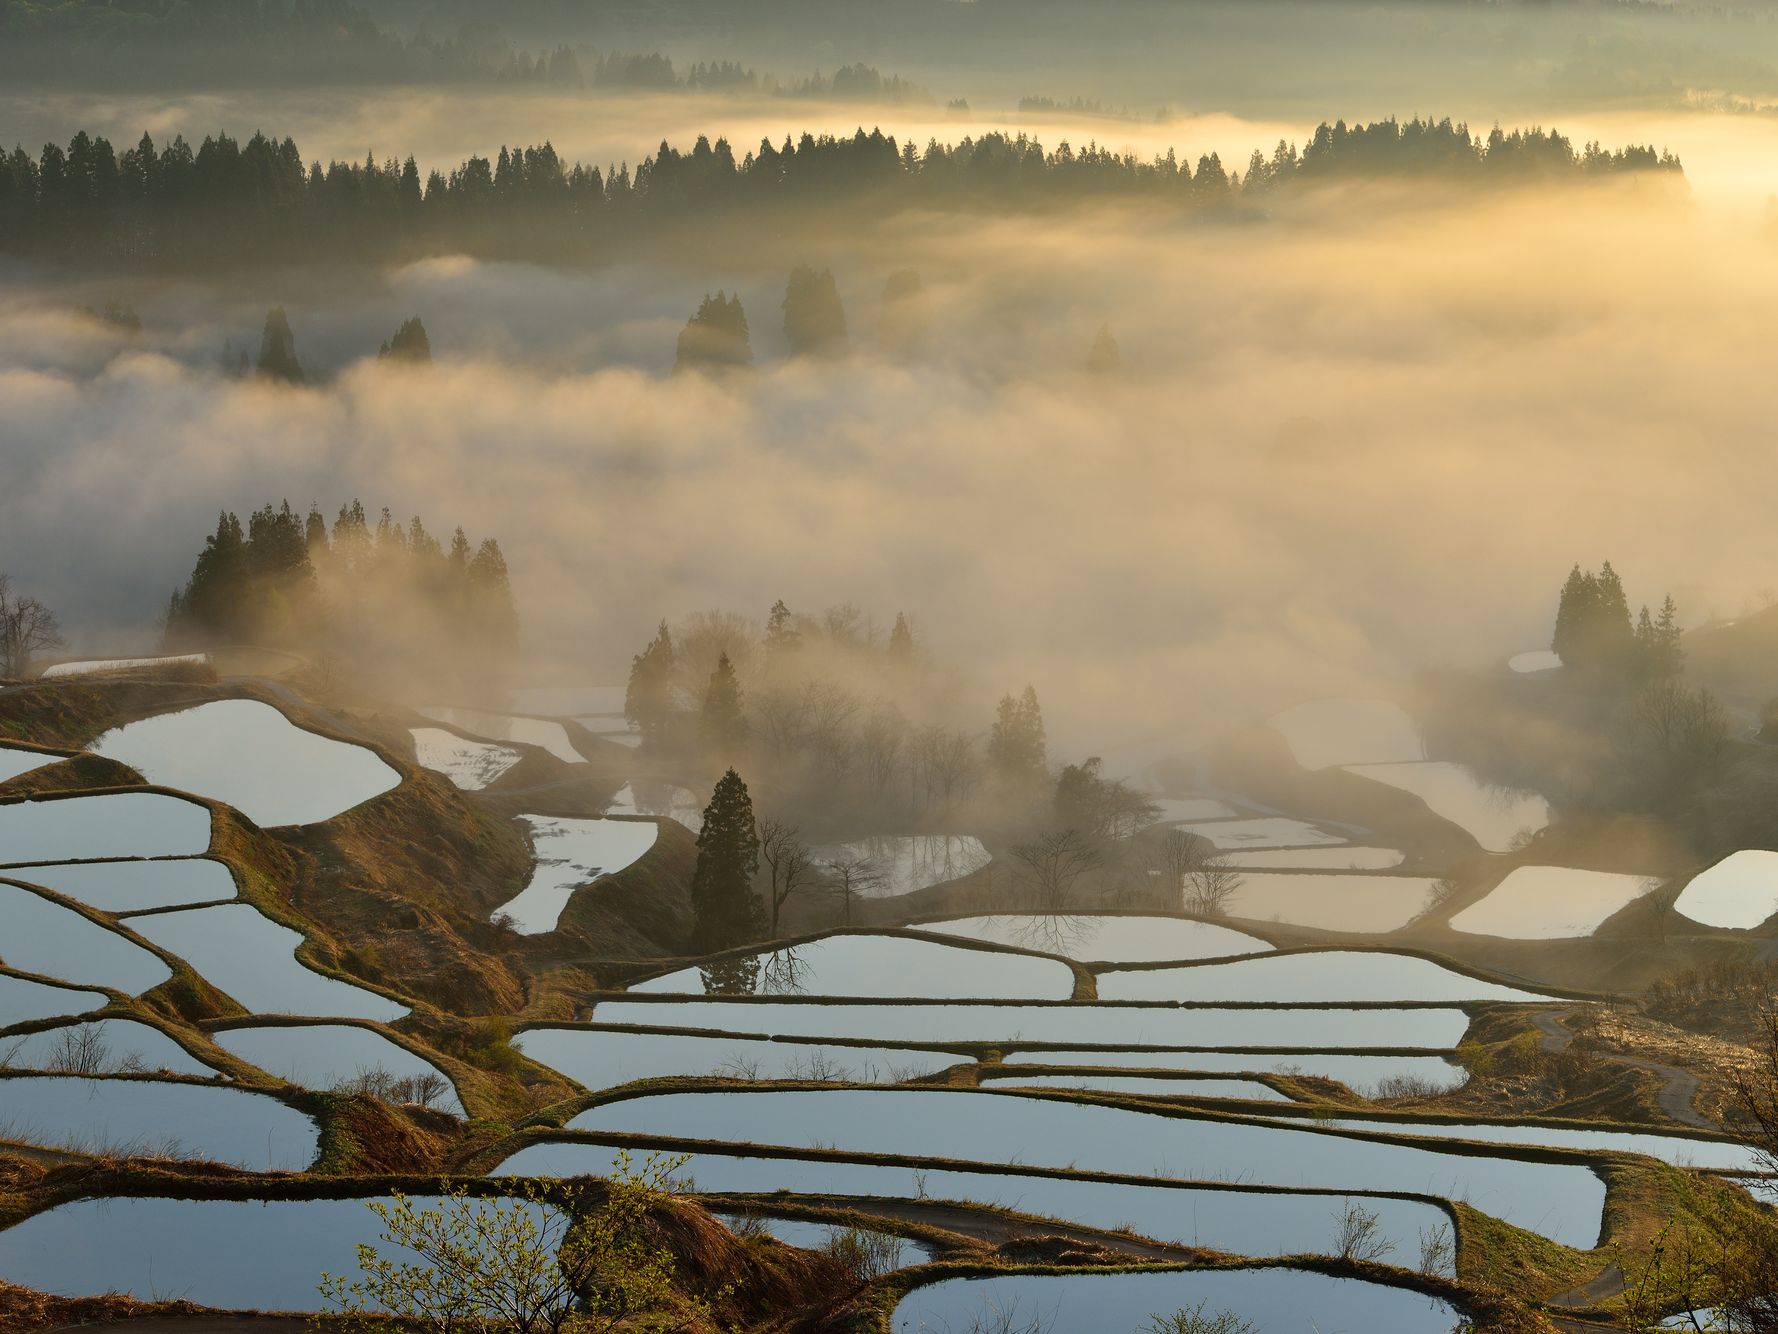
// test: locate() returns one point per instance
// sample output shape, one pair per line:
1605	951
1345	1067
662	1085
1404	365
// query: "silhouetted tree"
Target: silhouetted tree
716	337
722	726
27	628
277	349
648	701
723	903
901	640
1104	356
814	320
1017	750
410	343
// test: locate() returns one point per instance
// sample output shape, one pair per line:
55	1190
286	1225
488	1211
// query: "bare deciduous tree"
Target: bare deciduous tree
1050	867
789	870
1191	867
853	877
27	628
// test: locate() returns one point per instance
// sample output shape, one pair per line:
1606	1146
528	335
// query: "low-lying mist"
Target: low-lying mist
1339	445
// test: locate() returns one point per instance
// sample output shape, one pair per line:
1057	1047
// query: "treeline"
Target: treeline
225	199
367	600
339	41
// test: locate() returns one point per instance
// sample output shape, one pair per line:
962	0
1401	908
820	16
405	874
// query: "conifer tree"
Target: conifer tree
409	344
782	636
648	700
726	910
716	338
814	319
1017	748
901	640
722	726
1104	356
277	349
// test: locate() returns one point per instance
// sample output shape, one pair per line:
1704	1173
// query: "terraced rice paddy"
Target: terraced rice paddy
569	854
232	1254
1495	817
155	1119
252	757
605	1058
110	825
1181	810
1319	977
1146	1086
253	959
326	1056
46	938
23	1001
660	801
539	732
1534	660
866	965
1369	904
102	1047
136	886
88	666
1104	939
1550	903
1361	1073
903	864
1557	1200
1208	1027
1739	893
1271	831
1271	1299
470	765
1259	1223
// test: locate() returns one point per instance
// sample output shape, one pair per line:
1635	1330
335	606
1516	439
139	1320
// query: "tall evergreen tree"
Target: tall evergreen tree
722	726
409	344
727	911
782	636
901	640
648	700
715	338
1104	356
814	319
1017	748
277	349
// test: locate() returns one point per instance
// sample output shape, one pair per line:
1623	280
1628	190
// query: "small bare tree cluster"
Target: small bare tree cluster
788	869
1049	869
1192	867
851	877
27	628
425	1089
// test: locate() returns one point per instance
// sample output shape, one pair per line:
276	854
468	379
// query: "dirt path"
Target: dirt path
1679	1088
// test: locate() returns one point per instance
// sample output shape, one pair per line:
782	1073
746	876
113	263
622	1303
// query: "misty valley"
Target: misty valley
857	668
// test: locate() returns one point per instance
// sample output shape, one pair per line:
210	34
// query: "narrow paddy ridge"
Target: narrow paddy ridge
1361	1073
1317	859
599	1059
87	666
112	824
144	1117
23	1001
251	756
987	1023
1558	1200
1270	831
1103	939
867	965
1241	1222
14	762
1314	977
137	886
253	959
571	853
1158	1086
46	938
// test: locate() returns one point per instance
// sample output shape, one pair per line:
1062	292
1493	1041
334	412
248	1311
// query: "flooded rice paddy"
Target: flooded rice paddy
14	762
1271	831
570	853
1551	903
101	1047
659	801
121	1117
1496	817
136	886
470	765
110	825
1258	1223
1739	892
1557	1200
49	939
327	1056
903	863
539	732
1328	901
1316	859
886	966
1317	977
1149	1086
1361	1073
603	1058
252	757
253	959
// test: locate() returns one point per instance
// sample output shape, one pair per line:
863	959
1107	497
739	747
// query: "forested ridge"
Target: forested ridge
226	199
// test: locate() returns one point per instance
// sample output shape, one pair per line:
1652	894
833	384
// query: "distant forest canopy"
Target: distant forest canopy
365	598
338	41
254	201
